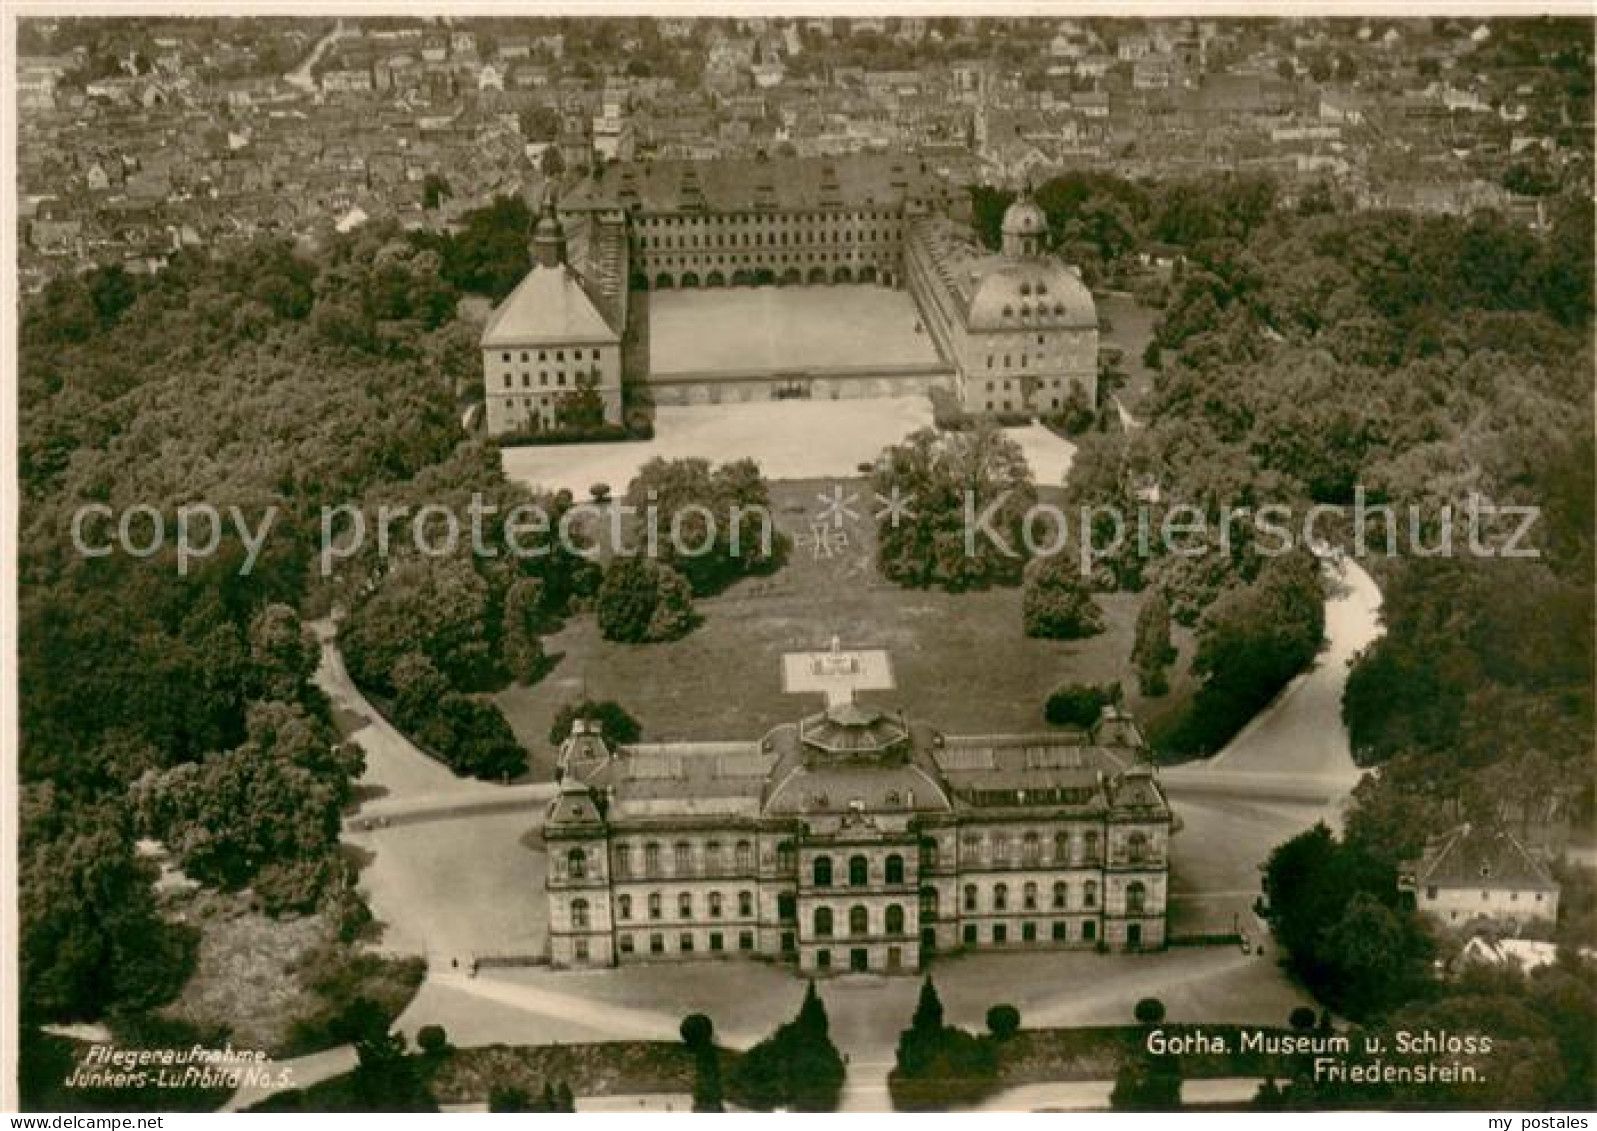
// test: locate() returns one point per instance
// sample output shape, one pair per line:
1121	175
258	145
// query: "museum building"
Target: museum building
856	840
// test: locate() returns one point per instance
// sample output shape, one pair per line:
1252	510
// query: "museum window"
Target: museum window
579	914
859	922
823	959
1028	897
787	907
1000	897
1061	894
823	871
1000	932
580	950
577	864
628	945
894	919
1061	932
712	857
506	358
1430	893
1137	847
744	856
685	942
523	355
858	871
1000	848
685	905
623	860
969	934
745	903
970	897
715	905
684	857
651	859
654	905
624	907
1089	894
823	922
745	940
1089	931
1031	848
1028	932
1091	841
895	869
507	380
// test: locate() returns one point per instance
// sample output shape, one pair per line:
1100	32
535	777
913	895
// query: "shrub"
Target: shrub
1079	705
641	601
1302	1019
615	723
1003	1021
432	1040
1057	603
1149	1011
697	1031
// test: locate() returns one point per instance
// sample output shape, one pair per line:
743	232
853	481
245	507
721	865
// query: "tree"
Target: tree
1149	1011
797	1067
928	1016
432	1040
1152	651
697	1031
508	1098
939	1065
707	1080
1079	705
1003	1021
523	621
714	522
641	601
282	654
965	496
1302	1019
580	409
1057	603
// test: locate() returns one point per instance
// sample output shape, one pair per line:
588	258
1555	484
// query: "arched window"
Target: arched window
1061	847
859	920
684	857
1137	847
623	860
823	871
970	897
895	869
715	905
744	856
1061	895
1030	848
624	906
577	864
745	904
1028	897
928	903
579	914
1000	848
654	905
1000	897
1136	898
823	922
1091	840
685	905
651	859
1089	894
786	857
712	857
895	919
858	871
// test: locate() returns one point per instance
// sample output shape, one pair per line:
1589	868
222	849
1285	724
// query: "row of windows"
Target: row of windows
715	904
685	943
560	355
1028	932
859	921
543	379
1136	896
757	239
714	860
858	871
756	219
780	257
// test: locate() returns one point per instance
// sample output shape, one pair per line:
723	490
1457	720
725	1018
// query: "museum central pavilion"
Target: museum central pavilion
856	839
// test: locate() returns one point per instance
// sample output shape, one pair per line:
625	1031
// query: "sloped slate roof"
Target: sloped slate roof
549	307
1482	858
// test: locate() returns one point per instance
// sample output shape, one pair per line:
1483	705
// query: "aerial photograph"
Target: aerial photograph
798	558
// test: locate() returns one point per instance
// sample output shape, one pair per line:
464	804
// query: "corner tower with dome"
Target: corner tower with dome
1019	326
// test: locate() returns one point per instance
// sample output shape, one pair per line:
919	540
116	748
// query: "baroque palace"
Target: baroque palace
856	840
1015	330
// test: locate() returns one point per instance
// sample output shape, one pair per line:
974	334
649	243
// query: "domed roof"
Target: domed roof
1031	294
1024	218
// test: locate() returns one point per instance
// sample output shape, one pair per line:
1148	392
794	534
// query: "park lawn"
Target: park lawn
960	660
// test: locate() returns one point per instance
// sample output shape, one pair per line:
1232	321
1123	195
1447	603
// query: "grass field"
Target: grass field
961	661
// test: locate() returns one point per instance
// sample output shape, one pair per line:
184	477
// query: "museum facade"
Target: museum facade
856	839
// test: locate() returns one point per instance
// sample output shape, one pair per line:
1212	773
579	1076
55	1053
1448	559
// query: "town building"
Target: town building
1477	873
559	330
856	839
